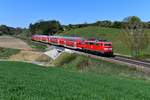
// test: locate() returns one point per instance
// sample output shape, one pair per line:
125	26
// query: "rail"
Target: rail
116	59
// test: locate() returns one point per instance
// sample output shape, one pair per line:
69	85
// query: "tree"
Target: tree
18	31
105	23
7	30
133	35
54	27
117	24
148	25
45	27
4	29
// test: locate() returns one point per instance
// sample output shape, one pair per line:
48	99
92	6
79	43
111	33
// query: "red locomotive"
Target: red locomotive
92	45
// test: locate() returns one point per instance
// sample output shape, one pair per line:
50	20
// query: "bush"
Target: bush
64	58
82	62
43	58
7	52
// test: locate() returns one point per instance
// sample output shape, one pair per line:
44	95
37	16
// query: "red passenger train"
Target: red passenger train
99	46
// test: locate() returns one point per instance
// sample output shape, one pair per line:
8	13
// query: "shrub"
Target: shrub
64	58
43	58
82	62
7	52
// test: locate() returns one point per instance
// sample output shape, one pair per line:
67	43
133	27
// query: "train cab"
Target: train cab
100	46
107	48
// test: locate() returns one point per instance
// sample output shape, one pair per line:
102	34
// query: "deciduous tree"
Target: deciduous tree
133	35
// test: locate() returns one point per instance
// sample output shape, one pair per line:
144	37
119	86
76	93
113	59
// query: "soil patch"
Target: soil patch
30	56
12	42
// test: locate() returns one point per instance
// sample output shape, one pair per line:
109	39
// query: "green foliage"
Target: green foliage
133	35
37	46
64	58
24	34
82	62
6	52
43	58
105	23
6	30
94	66
117	24
132	20
45	27
22	81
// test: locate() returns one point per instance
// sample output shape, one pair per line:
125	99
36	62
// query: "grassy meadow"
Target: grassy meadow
75	62
79	79
30	82
7	52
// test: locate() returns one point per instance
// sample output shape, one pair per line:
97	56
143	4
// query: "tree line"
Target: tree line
46	27
6	30
106	24
51	27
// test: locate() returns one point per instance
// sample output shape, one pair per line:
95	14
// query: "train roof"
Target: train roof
65	37
75	38
96	40
40	35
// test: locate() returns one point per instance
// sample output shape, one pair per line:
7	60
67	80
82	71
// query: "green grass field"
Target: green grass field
111	34
23	81
7	52
74	62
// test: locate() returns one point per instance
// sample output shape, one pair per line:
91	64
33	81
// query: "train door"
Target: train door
92	46
88	45
75	44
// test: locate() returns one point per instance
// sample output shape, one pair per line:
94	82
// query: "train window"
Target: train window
91	43
87	43
79	43
107	44
97	44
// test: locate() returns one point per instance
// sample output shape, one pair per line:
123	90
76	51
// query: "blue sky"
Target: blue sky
20	13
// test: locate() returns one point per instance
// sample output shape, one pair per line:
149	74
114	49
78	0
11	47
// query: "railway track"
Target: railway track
146	61
132	61
117	59
143	66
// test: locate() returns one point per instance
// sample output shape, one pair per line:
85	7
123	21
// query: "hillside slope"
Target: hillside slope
111	34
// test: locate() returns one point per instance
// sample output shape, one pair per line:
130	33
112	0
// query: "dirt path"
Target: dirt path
15	43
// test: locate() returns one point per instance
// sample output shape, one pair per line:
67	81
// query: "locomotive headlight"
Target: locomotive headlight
106	48
110	48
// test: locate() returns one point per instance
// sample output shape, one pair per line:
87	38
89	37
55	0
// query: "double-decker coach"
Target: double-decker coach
94	45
